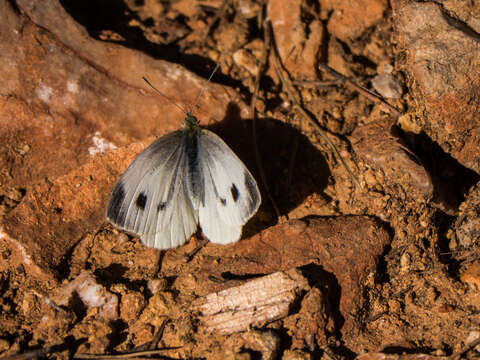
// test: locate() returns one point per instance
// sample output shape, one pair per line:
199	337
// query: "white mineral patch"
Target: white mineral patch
72	86
45	93
100	145
92	294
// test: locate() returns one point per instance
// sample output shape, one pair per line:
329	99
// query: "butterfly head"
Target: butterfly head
190	123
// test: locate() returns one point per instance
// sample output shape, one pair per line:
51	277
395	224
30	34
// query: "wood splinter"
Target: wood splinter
253	304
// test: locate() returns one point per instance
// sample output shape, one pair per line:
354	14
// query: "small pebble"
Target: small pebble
387	86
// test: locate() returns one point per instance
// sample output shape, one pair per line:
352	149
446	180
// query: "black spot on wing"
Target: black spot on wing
235	193
141	201
223	201
251	186
115	204
161	205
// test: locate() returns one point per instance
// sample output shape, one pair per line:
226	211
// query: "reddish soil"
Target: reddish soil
367	240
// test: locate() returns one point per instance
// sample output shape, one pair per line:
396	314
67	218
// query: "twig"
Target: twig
150	345
376	316
129	355
354	86
158	336
291	94
466	348
402	292
317	83
34	354
330	354
253	112
201	244
158	262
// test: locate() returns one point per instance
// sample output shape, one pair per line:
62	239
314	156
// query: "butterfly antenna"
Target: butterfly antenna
165	96
205	86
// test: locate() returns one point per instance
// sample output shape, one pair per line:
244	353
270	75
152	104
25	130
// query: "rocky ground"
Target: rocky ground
366	127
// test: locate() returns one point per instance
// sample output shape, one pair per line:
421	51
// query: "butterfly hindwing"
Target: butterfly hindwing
152	198
231	195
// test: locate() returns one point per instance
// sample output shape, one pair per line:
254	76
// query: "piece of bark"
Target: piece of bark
255	303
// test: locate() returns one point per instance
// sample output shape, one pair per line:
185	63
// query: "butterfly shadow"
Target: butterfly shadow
293	167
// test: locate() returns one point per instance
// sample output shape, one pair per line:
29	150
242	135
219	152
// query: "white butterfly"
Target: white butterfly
183	179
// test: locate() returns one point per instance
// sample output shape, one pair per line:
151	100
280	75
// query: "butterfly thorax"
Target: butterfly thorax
196	182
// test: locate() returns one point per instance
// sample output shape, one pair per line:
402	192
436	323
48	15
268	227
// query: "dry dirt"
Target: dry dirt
380	261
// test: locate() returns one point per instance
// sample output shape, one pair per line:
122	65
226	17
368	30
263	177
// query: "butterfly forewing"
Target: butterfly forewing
152	198
231	193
